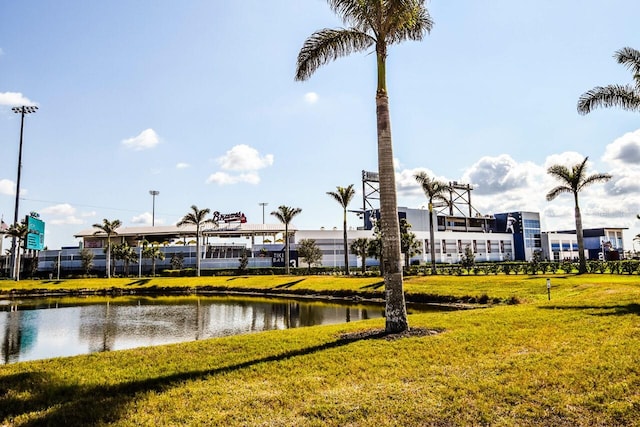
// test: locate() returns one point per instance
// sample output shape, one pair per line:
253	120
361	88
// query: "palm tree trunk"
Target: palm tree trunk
198	251
286	249
432	236
395	310
582	268
108	257
346	250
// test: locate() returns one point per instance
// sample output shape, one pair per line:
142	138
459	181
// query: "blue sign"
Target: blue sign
35	233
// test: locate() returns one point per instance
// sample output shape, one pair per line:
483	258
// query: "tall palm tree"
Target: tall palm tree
434	190
344	195
626	97
573	181
109	228
285	214
197	217
375	24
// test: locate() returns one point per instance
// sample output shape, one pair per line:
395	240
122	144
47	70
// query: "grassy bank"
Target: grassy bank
573	360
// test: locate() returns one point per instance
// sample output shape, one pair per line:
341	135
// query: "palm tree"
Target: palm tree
359	247
434	190
343	195
18	231
285	214
153	251
109	228
197	217
626	97
574	181
374	24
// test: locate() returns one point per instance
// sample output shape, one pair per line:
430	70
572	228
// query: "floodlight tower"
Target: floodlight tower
153	193
22	110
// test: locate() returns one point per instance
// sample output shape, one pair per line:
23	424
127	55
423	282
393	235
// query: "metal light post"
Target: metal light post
23	110
263	204
153	193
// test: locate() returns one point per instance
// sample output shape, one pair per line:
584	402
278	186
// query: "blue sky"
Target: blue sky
197	99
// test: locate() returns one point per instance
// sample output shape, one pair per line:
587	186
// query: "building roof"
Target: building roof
171	231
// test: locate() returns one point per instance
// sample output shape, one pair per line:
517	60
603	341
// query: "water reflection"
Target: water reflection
38	329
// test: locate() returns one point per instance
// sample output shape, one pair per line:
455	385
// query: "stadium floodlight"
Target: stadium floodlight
22	110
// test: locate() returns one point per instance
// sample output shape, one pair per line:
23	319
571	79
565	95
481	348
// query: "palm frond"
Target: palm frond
630	58
599	177
560	171
406	20
557	191
327	45
623	96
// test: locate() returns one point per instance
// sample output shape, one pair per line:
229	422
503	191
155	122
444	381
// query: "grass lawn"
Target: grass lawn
573	360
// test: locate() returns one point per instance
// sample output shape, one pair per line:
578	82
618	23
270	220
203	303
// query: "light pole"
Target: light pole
153	193
263	204
23	110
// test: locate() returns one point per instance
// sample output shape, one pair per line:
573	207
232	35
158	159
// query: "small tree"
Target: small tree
359	247
468	258
177	261
86	255
374	249
408	243
310	252
244	262
534	264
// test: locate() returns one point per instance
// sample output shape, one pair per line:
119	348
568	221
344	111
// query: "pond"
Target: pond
34	329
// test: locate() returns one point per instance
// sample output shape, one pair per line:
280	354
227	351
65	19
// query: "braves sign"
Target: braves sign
230	217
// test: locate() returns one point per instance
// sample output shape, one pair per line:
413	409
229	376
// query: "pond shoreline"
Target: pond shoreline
344	296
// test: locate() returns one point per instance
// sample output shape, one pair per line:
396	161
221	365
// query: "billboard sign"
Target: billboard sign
35	232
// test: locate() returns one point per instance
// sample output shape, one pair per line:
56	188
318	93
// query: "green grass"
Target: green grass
573	360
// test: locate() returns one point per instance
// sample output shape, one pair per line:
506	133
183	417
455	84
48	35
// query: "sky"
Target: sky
197	100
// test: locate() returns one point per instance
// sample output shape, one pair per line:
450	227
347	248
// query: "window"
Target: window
488	246
444	246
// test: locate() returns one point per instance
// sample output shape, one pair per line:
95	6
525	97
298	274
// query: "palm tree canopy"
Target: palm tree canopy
18	230
196	217
285	213
108	227
626	97
343	195
574	179
433	189
371	22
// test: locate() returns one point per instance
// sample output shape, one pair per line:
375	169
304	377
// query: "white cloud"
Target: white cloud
59	210
62	214
13	99
146	139
408	186
568	158
311	97
491	175
241	158
7	187
142	219
244	158
182	165
625	150
69	220
223	178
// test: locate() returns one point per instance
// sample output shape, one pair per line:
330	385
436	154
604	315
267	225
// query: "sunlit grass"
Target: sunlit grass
572	360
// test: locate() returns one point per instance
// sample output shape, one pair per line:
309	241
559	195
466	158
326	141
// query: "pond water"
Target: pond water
45	328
